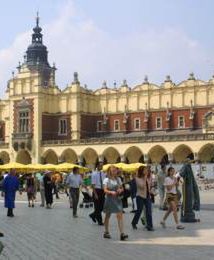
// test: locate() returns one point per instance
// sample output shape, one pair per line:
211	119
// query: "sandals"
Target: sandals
163	224
107	235
123	237
180	227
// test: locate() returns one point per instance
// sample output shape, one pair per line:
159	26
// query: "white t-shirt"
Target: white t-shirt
170	181
113	182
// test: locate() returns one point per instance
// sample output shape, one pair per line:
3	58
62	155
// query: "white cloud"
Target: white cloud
10	56
75	43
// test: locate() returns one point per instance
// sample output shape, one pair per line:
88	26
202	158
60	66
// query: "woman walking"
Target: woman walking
113	204
171	183
30	188
143	198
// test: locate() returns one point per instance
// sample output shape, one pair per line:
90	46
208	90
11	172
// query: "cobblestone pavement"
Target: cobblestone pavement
41	234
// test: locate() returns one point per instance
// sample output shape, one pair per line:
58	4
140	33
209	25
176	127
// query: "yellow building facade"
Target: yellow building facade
40	123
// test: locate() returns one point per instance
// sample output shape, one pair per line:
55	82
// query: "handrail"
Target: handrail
138	139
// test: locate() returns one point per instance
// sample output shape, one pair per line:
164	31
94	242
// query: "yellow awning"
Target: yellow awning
13	165
132	167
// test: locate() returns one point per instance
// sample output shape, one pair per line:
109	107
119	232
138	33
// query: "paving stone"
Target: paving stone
41	234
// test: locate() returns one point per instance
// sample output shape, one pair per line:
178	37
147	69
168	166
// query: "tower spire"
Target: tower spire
37	52
37	19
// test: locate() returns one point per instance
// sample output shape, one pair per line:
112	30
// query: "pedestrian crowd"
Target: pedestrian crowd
110	193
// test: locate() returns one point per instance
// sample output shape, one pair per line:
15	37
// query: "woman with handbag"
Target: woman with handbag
171	183
113	204
143	198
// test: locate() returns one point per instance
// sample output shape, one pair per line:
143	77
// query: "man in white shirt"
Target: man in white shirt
98	194
74	181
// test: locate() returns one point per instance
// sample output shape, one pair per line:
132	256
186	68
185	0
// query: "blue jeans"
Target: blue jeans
141	202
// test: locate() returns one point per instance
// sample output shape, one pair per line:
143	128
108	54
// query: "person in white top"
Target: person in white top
171	183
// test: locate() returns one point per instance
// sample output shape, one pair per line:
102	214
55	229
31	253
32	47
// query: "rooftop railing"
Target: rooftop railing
138	139
3	145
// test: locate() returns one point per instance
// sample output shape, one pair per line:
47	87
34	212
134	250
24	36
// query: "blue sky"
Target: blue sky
113	39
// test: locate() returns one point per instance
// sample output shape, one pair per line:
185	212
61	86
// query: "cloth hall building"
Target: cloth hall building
40	123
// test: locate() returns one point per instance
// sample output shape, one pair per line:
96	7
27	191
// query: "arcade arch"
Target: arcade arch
181	152
206	153
111	155
158	154
133	154
4	157
89	157
69	156
23	157
50	157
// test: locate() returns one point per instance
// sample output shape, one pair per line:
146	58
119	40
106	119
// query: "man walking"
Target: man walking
48	185
74	181
98	194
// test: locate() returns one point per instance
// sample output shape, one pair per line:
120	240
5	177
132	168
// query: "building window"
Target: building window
63	127
99	126
24	122
158	122
116	125
136	124
181	122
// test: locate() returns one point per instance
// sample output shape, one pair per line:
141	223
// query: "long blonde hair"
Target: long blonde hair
110	171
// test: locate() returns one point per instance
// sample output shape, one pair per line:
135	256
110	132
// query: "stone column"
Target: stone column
170	158
196	156
146	158
80	160
123	158
100	159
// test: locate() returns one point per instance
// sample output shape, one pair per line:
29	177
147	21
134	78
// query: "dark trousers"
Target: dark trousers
74	193
48	196
98	205
142	202
56	192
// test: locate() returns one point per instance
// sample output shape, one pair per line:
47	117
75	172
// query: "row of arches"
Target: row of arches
90	156
156	154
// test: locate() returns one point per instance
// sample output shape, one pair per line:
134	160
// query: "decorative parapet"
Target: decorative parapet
3	145
22	141
138	139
